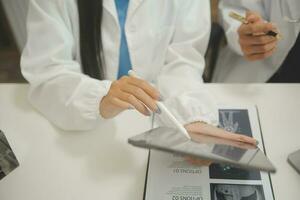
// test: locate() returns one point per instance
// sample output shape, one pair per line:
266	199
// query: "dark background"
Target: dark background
9	53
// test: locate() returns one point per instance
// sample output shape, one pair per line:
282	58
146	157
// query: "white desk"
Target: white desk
101	165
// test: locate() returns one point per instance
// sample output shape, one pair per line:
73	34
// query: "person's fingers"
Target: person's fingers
256	40
253	17
203	162
141	95
261	56
254	29
198	162
131	99
120	104
148	88
110	107
259	49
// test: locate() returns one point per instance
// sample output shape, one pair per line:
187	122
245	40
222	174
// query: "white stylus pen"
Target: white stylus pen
164	109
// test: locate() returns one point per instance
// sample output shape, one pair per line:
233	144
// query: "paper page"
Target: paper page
170	177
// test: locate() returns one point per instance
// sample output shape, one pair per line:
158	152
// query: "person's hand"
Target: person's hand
129	93
204	133
253	38
200	131
191	160
198	162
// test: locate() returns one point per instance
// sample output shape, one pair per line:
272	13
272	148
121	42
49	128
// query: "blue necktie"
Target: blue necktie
124	59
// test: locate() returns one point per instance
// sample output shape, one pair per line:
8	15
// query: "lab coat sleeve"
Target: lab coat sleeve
230	25
58	89
180	80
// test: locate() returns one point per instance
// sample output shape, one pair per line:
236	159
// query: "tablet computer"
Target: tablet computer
204	147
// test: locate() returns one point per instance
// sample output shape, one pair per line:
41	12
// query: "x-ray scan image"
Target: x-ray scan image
8	160
236	192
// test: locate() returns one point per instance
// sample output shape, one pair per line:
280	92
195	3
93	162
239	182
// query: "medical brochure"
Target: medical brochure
8	160
171	177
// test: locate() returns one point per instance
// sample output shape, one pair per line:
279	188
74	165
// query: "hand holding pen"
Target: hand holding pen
129	93
132	92
258	39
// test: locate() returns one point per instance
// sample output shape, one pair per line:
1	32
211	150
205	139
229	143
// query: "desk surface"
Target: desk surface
101	165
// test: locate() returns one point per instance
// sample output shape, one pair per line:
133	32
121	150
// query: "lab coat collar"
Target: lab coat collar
110	6
133	6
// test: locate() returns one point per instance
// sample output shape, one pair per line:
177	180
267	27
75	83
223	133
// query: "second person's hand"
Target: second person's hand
253	38
129	93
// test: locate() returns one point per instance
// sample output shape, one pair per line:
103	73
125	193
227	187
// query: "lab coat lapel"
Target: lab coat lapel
110	6
133	6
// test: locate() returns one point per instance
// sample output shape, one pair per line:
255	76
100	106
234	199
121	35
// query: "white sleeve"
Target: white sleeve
180	80
230	25
58	89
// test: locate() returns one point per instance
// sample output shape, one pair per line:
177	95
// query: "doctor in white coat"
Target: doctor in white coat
163	41
259	59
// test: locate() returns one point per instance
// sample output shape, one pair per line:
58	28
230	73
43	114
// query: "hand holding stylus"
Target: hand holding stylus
129	93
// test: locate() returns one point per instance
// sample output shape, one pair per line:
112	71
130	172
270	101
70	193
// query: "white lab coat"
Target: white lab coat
232	67
166	40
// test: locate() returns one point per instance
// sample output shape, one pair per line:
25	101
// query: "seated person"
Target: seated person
78	54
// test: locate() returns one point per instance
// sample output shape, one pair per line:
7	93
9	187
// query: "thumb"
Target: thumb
253	17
